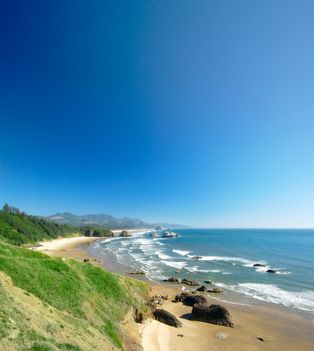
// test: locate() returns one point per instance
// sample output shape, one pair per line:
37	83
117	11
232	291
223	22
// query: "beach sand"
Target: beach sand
280	330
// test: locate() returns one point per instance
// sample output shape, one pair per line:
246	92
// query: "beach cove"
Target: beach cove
278	328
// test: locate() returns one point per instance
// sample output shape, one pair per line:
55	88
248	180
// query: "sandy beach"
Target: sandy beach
278	329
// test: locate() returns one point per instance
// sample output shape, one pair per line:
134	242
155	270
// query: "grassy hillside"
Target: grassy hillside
49	304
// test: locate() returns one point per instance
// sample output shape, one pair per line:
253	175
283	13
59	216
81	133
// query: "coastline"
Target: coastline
280	330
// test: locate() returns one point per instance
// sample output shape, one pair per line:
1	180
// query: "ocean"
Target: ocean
227	259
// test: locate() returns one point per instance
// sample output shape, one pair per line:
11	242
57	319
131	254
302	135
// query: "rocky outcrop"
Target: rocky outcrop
166	317
208	282
191	300
156	301
189	282
215	314
202	288
271	271
258	265
215	290
125	234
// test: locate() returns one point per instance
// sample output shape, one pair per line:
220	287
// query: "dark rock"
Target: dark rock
166	317
86	260
172	280
258	265
202	288
271	271
196	257
260	339
137	272
125	234
180	335
191	300
138	316
214	314
189	282
215	290
208	282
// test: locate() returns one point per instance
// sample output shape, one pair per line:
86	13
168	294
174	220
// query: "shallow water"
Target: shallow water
227	259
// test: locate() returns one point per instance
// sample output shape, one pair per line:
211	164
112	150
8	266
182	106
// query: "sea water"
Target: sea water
227	259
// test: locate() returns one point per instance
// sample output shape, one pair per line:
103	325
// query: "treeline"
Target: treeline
16	227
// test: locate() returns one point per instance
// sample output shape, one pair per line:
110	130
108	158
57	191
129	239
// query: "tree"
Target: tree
6	208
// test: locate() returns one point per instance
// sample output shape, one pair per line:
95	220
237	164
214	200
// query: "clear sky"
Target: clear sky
197	112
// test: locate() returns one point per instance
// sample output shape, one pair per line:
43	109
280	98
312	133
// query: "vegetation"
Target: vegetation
18	228
49	304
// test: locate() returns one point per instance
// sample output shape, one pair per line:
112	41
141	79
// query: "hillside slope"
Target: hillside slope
49	304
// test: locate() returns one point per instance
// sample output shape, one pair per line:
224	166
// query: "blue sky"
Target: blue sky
197	112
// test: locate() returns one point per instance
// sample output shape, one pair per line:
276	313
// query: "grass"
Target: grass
85	295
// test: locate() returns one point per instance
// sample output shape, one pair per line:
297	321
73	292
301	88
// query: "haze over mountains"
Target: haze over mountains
105	220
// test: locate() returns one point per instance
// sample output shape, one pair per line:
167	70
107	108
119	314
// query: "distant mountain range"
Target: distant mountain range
105	220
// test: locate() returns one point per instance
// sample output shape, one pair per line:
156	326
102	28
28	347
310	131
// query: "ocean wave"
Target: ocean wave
244	261
181	252
303	300
162	255
175	264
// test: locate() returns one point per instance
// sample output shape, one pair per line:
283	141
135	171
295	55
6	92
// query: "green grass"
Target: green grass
78	289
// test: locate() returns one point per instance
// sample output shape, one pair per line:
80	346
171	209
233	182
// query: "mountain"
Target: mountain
105	220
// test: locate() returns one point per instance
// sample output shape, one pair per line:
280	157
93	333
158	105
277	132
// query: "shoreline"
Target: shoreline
279	329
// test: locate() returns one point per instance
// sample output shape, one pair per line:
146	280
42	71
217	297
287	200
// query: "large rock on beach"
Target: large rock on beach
189	282
215	314
202	288
191	300
166	317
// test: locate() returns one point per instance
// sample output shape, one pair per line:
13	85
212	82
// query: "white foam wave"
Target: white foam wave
181	252
303	300
175	264
162	255
242	260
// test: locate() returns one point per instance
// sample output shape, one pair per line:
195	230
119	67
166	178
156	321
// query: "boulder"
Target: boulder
166	317
156	301
189	282
86	260
191	300
271	271
196	258
125	234
215	314
258	265
208	282
215	290
202	288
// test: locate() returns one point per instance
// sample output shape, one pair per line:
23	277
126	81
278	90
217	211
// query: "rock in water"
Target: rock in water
191	300
189	282
166	317
258	265
271	271
172	280
125	234
214	314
